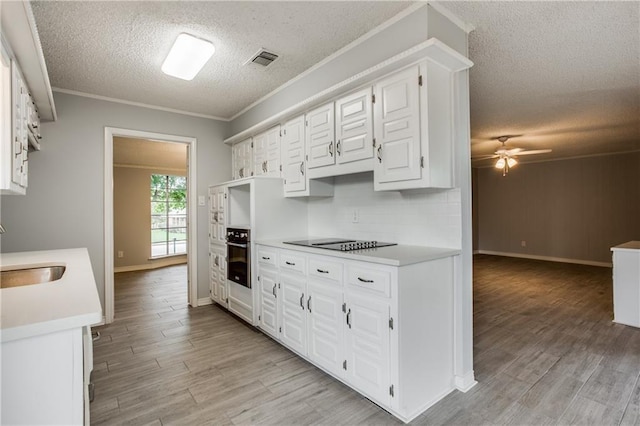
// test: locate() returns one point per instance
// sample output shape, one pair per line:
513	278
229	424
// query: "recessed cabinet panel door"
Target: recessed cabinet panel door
293	155
367	345
397	127
272	157
325	325
259	154
213	276
320	132
268	302
293	314
354	127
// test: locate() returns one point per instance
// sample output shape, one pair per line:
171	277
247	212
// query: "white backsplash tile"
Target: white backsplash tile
427	218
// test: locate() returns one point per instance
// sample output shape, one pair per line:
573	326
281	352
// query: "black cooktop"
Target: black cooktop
340	244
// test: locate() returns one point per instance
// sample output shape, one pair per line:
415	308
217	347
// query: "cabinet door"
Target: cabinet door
213	276
293	322
20	149
268	318
221	224
397	127
293	155
272	160
325	326
354	127
320	136
367	345
260	154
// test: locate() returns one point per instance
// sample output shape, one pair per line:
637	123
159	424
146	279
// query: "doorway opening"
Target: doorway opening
150	206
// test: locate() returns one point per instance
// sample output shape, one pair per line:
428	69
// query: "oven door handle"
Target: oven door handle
236	245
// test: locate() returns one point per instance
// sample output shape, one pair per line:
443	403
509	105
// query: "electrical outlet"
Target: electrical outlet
523	243
120	253
355	216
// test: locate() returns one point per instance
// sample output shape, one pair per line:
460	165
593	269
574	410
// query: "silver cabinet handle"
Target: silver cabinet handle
309	303
274	290
302	301
215	216
322	271
380	153
216	261
265	258
338	148
349	318
265	166
290	263
364	280
302	168
331	149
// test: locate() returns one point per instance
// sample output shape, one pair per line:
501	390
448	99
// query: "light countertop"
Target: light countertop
70	302
628	246
399	255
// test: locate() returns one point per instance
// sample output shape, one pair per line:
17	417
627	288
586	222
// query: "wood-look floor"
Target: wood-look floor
545	352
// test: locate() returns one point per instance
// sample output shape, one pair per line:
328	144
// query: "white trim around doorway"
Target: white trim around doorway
192	253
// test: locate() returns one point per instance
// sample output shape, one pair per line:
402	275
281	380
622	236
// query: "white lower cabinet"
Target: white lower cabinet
385	331
367	345
218	275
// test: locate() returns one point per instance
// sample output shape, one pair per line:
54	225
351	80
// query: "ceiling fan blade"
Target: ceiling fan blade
484	157
535	151
513	151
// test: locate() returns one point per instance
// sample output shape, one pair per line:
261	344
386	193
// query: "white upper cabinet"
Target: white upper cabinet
242	159
354	127
293	166
414	124
266	153
320	136
397	127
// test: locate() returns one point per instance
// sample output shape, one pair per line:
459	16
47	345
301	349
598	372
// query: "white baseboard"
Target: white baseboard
160	263
466	382
205	301
547	258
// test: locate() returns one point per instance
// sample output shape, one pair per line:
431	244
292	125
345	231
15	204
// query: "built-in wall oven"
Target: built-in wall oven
239	256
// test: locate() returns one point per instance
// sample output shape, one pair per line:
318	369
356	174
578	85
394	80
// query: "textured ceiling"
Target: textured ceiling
564	75
146	153
115	49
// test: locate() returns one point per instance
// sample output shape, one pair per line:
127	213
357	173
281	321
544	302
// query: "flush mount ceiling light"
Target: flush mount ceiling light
187	56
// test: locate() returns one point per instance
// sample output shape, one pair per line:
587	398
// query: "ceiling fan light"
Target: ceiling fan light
500	163
512	162
187	56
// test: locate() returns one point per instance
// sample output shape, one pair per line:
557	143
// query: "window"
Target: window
168	215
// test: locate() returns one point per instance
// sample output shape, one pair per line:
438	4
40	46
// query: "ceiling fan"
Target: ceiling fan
507	158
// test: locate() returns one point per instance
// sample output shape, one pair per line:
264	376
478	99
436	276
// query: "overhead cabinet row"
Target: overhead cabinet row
20	126
401	127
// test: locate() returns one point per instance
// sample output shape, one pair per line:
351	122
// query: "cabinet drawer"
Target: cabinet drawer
291	261
377	281
267	256
323	268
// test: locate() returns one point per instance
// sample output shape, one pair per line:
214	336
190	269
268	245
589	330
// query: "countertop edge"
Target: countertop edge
381	256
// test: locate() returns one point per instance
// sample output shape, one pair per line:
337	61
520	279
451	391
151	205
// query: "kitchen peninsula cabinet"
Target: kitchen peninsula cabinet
378	320
626	283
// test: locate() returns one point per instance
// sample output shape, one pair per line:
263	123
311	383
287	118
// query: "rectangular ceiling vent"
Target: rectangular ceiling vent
262	57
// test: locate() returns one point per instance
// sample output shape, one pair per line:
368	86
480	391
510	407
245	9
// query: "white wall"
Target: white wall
571	209
63	207
409	217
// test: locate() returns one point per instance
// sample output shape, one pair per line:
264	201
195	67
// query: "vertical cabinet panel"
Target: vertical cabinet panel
320	136
354	127
397	127
367	345
292	307
242	159
325	326
266	153
293	155
268	319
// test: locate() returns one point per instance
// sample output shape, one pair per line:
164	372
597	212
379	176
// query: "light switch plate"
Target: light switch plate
201	200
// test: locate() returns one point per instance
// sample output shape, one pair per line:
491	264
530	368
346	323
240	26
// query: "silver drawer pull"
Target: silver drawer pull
290	263
302	301
266	258
364	280
322	271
